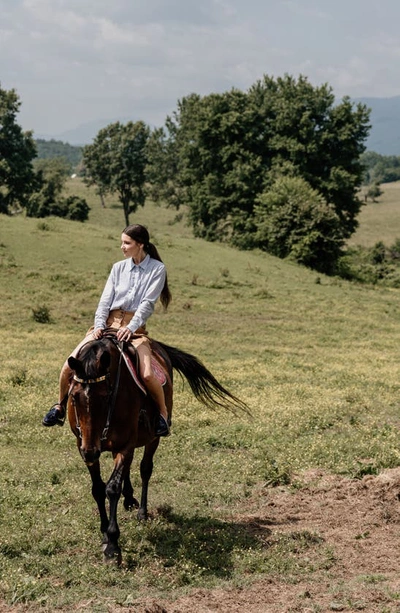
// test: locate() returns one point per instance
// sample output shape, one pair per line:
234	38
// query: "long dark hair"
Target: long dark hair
141	235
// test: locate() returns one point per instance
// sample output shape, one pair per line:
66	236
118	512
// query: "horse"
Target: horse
110	411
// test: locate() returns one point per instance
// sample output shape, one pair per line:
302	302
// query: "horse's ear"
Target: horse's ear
74	364
105	359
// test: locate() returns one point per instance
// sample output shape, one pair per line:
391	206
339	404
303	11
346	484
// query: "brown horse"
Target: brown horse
109	411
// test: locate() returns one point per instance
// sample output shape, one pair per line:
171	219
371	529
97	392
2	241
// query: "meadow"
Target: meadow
314	357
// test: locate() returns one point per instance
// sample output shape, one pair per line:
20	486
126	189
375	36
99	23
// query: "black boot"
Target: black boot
54	417
163	426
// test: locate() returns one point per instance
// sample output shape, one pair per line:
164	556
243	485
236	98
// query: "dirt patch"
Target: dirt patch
357	520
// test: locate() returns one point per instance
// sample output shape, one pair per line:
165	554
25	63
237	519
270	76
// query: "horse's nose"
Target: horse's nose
90	456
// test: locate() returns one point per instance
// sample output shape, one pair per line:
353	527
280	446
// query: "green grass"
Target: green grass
380	220
316	359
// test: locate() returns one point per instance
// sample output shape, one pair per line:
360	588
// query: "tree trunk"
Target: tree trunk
126	212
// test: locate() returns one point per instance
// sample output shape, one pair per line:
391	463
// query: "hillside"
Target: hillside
295	508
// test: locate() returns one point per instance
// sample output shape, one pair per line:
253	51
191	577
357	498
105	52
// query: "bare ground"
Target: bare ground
357	520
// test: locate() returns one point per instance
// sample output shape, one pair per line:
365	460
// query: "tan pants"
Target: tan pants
117	319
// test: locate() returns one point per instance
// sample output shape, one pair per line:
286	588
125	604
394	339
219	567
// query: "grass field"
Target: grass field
315	358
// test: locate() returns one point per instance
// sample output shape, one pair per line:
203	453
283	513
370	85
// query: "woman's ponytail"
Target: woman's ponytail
141	235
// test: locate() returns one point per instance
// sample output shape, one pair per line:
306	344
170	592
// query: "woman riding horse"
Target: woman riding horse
128	299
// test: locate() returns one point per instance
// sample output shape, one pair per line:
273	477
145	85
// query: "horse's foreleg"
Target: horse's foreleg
113	493
99	494
146	469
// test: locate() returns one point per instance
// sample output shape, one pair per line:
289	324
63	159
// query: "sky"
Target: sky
78	61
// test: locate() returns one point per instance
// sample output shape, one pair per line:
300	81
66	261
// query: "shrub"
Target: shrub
77	208
41	314
293	220
72	207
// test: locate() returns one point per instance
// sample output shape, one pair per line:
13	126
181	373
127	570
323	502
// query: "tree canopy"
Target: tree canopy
17	150
116	163
230	148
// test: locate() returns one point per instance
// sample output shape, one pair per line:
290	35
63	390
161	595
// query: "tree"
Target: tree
231	147
374	191
116	163
51	175
293	220
17	150
162	170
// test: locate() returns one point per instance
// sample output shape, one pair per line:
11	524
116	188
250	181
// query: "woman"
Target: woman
127	301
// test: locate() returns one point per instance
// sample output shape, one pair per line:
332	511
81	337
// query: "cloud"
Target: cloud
72	61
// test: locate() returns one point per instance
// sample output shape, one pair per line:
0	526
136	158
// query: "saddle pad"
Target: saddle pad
158	371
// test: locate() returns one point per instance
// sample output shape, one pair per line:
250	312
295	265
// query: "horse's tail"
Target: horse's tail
202	382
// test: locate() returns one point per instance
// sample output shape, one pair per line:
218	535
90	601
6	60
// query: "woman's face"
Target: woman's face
130	248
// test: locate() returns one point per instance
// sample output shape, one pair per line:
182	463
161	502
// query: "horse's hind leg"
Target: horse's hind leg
130	501
146	469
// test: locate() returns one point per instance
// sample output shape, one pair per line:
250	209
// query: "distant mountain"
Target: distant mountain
82	134
384	137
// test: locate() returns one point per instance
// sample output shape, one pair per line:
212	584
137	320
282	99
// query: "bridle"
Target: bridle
112	392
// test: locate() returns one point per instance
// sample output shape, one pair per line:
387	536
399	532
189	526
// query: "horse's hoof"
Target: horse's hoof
129	505
142	515
115	558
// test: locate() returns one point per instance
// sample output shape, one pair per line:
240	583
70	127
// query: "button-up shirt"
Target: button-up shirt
131	287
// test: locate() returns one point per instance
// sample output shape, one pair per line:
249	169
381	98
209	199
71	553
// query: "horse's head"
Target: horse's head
90	396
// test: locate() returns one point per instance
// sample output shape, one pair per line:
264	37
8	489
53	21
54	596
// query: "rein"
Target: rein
113	392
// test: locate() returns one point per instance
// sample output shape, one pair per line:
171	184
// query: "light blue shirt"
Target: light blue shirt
131	287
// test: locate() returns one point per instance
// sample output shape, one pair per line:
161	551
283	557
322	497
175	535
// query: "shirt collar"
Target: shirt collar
143	264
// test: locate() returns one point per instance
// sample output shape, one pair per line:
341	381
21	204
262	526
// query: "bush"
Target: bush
293	220
77	208
73	207
376	265
41	315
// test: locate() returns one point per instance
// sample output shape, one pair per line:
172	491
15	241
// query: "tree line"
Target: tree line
50	149
278	167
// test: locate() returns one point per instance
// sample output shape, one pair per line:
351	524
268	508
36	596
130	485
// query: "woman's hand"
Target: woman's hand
98	333
124	334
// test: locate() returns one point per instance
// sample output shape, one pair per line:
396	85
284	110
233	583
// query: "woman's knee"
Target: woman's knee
148	377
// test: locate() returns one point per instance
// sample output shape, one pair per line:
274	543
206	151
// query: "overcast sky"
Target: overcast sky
75	61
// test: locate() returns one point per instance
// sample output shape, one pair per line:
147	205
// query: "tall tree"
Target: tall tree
17	150
116	163
162	171
232	147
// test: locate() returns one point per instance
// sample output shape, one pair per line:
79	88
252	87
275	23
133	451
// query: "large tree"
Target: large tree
17	150
232	147
116	163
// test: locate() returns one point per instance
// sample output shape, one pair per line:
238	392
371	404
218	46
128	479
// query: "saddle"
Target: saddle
132	362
